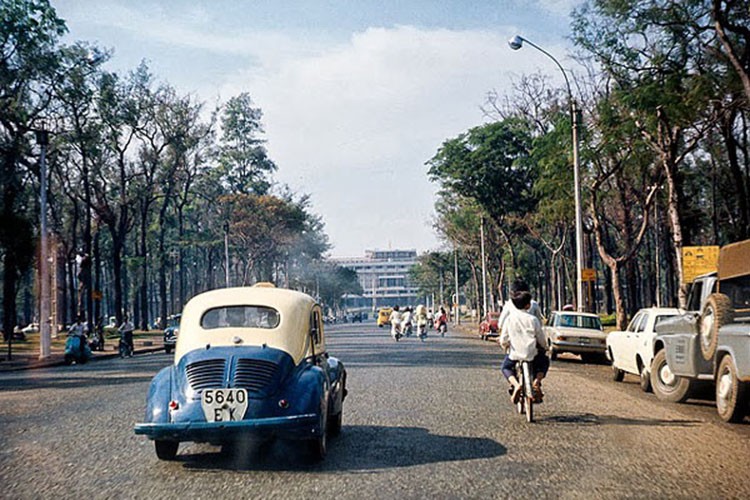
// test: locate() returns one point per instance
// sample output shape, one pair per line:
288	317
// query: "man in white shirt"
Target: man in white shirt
522	333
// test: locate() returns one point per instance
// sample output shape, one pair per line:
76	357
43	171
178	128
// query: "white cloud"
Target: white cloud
351	122
354	125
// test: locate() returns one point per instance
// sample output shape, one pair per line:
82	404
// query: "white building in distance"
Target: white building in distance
384	276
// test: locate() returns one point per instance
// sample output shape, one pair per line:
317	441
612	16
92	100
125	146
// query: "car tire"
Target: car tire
317	448
716	313
335	424
166	450
731	393
617	374
553	354
645	378
666	385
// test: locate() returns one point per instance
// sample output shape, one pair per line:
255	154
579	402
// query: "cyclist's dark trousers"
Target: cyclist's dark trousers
540	365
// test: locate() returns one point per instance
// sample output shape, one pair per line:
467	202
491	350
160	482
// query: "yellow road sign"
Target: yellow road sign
699	260
588	274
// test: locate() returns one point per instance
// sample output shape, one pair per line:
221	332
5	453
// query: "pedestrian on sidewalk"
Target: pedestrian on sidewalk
126	333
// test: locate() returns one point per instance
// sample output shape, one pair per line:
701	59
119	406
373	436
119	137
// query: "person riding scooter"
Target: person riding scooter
442	322
421	320
76	345
395	320
406	327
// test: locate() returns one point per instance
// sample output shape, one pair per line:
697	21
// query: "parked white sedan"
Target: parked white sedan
575	332
632	350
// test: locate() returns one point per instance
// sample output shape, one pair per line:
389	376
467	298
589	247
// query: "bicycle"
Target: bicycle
525	404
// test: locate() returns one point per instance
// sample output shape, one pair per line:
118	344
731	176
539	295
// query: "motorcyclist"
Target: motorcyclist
395	321
406	322
442	321
126	334
79	329
421	319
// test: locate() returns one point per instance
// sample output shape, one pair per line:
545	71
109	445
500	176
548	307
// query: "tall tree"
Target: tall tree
29	61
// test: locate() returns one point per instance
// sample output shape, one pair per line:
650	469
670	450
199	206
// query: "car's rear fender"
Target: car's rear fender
159	396
337	374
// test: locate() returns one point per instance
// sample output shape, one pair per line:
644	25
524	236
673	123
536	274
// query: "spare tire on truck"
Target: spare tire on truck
716	313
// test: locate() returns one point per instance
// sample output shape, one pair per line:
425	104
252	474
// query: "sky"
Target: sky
356	95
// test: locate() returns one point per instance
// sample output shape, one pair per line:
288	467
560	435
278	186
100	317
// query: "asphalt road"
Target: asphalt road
422	420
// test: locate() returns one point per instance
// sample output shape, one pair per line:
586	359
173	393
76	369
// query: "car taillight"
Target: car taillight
560	337
284	404
174	405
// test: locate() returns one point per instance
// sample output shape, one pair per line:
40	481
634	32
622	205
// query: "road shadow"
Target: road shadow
592	419
359	448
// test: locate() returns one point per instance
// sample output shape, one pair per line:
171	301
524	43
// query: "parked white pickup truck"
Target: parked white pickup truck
713	342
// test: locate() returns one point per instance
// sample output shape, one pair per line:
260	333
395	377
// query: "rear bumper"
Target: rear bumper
292	427
577	348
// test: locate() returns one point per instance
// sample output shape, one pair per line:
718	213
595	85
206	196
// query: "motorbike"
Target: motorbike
442	327
407	330
77	349
422	329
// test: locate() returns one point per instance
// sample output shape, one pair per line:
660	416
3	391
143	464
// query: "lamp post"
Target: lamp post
226	254
42	138
484	267
516	43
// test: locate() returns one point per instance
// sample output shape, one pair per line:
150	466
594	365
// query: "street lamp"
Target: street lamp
42	138
516	43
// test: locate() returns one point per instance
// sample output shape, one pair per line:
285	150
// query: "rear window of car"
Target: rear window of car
240	317
575	321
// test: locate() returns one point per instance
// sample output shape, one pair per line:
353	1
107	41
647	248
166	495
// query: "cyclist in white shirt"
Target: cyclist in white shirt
522	334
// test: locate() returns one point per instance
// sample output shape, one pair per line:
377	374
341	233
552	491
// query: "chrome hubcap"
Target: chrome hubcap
666	375
724	390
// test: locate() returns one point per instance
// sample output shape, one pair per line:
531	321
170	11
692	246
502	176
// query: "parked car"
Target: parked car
488	326
711	341
578	333
171	332
384	316
250	363
632	350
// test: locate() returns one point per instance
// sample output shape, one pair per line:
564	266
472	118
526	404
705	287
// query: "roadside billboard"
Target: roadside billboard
699	260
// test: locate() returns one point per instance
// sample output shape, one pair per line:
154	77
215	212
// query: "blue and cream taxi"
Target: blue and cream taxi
250	363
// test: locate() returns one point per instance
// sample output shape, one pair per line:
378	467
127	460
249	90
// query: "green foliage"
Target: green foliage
243	161
488	164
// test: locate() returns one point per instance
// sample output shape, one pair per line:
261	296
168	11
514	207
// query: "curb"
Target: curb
50	363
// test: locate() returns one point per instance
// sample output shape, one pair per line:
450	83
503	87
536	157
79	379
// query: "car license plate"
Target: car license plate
224	405
584	340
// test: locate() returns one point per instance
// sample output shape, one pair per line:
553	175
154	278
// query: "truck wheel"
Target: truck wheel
666	385
166	450
716	313
731	394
